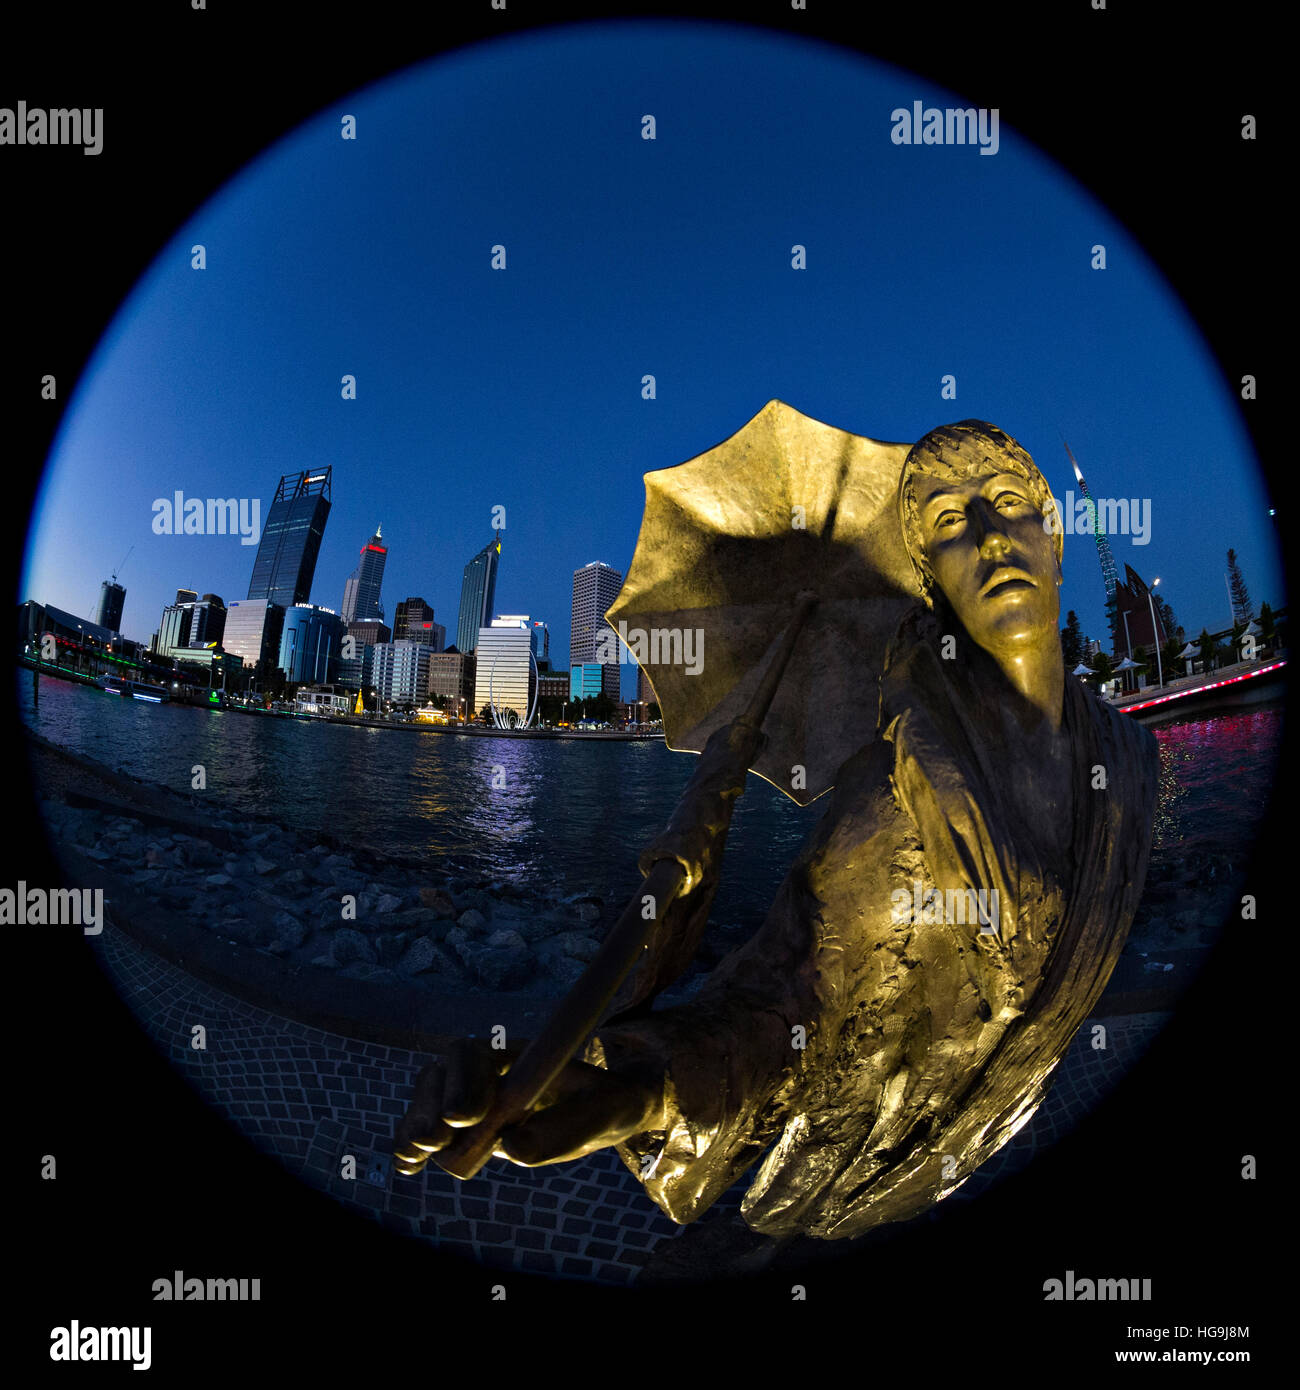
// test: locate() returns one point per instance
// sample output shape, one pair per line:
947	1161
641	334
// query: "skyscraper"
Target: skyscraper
478	592
295	524
595	587
111	598
361	592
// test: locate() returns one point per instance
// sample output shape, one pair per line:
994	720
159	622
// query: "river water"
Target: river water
565	816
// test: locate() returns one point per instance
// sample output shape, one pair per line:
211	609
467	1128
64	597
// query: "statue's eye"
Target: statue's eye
1009	499
945	521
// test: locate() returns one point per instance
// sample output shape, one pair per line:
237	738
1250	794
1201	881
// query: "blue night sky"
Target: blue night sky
626	256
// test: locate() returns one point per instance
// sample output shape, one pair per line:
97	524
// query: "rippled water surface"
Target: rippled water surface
571	816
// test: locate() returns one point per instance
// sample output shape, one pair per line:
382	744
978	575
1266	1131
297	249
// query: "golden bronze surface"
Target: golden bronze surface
877	1043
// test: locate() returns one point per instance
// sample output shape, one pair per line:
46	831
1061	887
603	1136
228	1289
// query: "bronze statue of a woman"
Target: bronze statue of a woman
950	924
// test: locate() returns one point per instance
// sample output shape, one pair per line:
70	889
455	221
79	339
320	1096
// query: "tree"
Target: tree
1102	668
1241	608
1267	623
1206	644
1169	655
1072	640
1167	620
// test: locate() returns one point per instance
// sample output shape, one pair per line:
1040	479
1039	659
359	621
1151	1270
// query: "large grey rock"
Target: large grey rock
507	940
439	901
351	947
563	970
217	881
287	932
199	854
293	878
457	939
502	967
262	867
419	956
471	921
587	911
576	944
387	902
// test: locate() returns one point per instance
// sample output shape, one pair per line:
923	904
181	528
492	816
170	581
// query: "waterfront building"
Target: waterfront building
325	699
221	670
253	631
553	683
478	592
451	676
207	621
291	539
1133	611
111	598
503	673
357	672
595	587
586	680
311	638
187	595
401	671
174	629
361	600
645	692
35	618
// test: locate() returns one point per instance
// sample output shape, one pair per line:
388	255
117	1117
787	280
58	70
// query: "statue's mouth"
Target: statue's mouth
1005	580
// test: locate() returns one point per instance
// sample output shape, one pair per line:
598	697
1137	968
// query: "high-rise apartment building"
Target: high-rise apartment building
111	598
291	539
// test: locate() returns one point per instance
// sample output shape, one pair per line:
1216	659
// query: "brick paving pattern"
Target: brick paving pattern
309	1098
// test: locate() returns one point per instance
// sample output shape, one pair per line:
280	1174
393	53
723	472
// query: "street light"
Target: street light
1160	669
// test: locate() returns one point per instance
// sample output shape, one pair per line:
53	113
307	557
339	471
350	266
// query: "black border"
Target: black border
1144	108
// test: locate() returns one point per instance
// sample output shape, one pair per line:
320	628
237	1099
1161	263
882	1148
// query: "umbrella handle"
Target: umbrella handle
761	701
568	1027
581	1011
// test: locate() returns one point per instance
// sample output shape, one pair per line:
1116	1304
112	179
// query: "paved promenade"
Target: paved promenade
308	1098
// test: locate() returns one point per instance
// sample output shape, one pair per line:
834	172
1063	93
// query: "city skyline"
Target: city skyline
648	309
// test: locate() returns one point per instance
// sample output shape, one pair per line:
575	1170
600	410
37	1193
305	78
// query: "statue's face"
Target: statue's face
992	557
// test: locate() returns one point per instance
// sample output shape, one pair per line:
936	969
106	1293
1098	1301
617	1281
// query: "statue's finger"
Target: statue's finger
424	1112
578	1125
470	1082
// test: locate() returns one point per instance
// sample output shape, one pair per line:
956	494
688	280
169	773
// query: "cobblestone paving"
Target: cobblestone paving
309	1098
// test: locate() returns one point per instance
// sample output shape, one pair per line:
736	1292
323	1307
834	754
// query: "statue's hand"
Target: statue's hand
586	1108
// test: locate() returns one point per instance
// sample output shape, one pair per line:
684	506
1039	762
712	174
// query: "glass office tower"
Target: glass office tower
361	592
311	640
295	524
478	592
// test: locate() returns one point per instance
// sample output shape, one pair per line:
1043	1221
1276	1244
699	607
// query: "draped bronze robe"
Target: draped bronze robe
926	1045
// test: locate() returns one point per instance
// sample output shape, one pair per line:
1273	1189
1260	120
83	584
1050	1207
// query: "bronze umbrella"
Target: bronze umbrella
779	549
728	541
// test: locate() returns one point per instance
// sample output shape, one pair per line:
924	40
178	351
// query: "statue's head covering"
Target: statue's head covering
957	452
